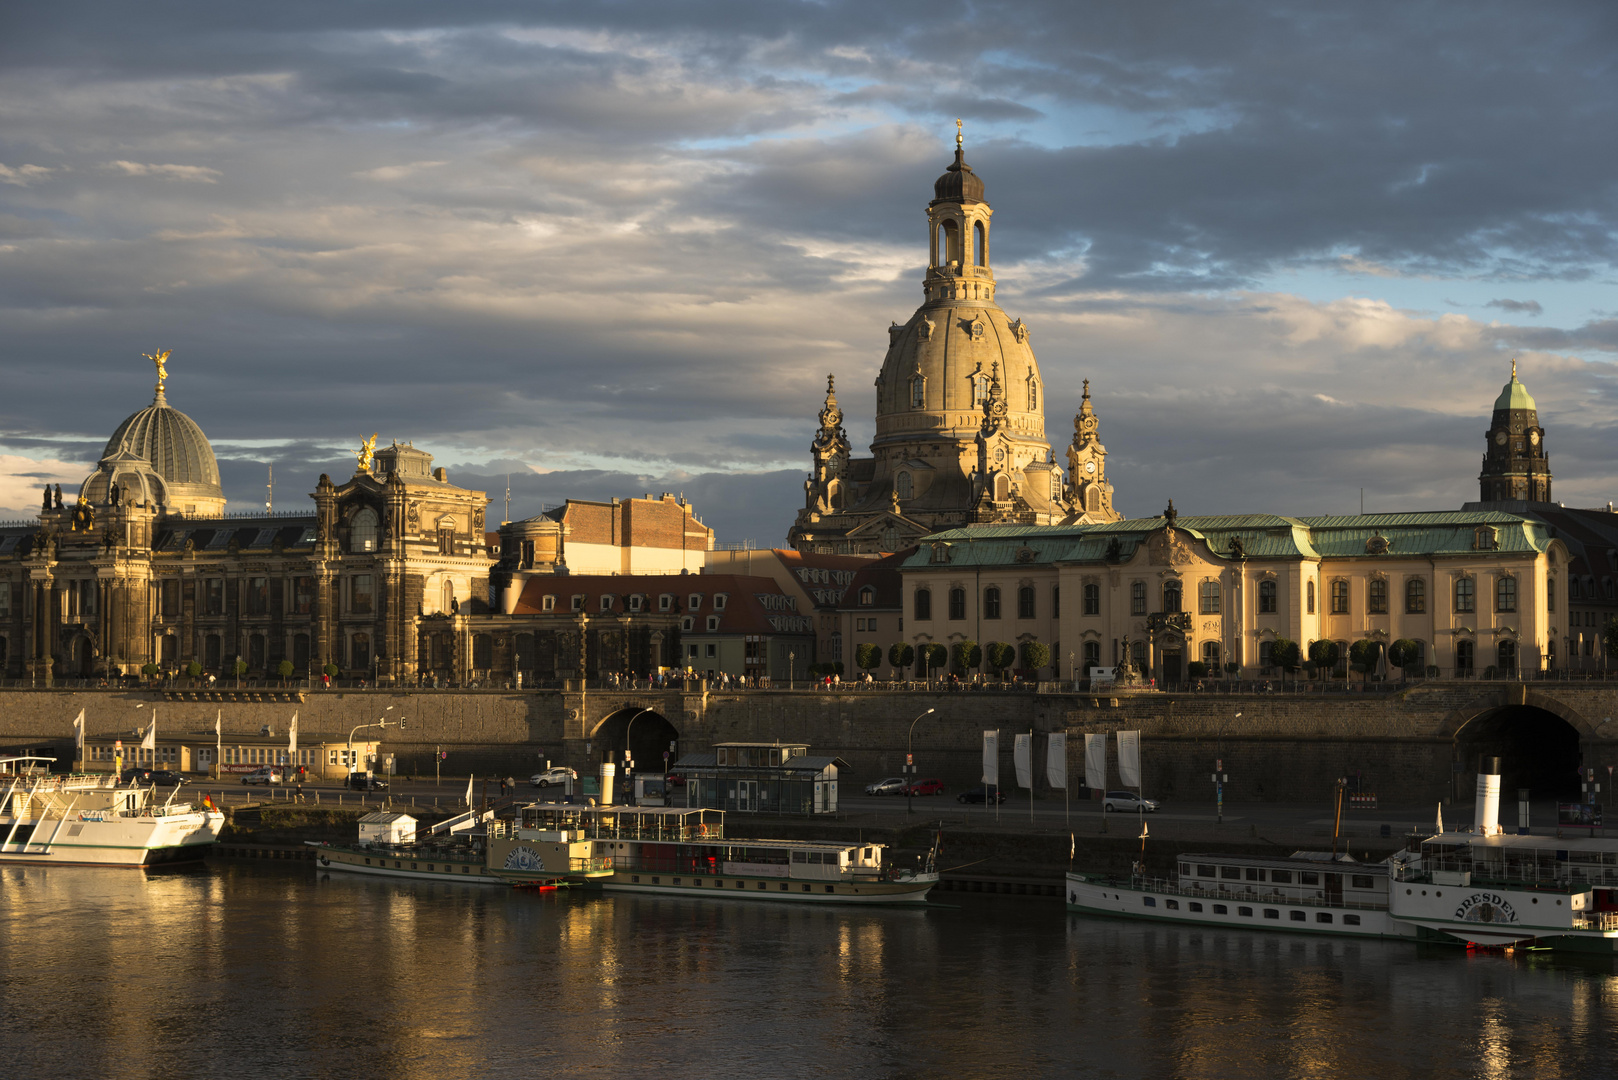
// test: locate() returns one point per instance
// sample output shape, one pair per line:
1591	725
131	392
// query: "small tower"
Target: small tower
1088	492
996	483
1515	465
958	225
825	489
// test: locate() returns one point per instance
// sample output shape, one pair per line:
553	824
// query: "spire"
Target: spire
831	415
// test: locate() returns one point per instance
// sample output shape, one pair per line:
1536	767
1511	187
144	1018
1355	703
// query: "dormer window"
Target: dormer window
634	602
694	602
687	623
606	601
713	623
548	603
719	601
1486	538
867	596
578	601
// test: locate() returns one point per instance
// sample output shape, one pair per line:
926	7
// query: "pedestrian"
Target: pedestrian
502	787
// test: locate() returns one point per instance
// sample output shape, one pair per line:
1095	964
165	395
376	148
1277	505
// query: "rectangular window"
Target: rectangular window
712	650
1322	916
213	596
258	596
1339	598
168	591
1056	602
1271	913
1172	905
303	595
1208	597
360	599
1194	906
1254	874
1149	901
1281	877
1025	602
1221	909
1204	870
1231	873
1137	598
924	604
1351	920
548	602
1092	599
1505	594
1376	597
1308	877
1247	911
1298	916
870	625
1465	595
1362	881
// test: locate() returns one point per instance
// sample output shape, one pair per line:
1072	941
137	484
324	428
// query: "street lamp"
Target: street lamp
629	751
792	669
910	742
1219	776
382	722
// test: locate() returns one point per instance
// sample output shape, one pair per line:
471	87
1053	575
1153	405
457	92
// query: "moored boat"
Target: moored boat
89	820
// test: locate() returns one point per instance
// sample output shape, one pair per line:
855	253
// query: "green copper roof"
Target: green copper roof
1514	395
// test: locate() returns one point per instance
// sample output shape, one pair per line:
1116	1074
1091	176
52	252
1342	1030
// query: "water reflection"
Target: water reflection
243	970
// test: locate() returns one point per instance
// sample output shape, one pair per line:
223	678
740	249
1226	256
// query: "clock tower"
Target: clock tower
1515	466
1088	491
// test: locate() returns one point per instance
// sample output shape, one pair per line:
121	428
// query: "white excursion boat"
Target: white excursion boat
1486	888
1308	892
472	848
89	820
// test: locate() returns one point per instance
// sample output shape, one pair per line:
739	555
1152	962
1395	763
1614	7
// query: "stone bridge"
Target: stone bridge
1411	746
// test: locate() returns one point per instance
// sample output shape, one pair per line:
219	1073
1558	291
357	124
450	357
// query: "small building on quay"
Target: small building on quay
760	777
234	754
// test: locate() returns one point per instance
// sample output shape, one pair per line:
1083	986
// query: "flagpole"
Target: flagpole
1031	775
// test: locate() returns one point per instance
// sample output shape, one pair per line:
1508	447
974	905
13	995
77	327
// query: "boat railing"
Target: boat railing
1557	882
1604	921
1220	893
590	864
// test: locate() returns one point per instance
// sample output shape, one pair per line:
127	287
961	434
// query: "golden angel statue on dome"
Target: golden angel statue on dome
363	454
161	360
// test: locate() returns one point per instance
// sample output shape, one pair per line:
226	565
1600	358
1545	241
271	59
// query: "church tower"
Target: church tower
1088	491
960	420
1515	465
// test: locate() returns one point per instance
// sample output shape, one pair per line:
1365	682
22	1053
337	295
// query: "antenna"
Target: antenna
507	520
269	492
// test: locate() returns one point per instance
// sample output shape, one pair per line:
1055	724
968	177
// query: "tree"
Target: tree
1404	654
1284	654
240	667
867	655
1609	637
150	669
968	656
1325	654
1035	655
285	669
332	669
1196	669
1231	668
1362	655
934	656
901	656
194	670
1001	656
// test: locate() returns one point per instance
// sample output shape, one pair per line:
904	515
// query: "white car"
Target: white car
1127	800
893	785
267	775
559	774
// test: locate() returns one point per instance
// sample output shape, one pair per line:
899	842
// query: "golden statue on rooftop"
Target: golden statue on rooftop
161	360
363	454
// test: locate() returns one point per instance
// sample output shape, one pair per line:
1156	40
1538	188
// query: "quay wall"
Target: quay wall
1282	748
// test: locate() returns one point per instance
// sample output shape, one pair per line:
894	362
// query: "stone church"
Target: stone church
960	421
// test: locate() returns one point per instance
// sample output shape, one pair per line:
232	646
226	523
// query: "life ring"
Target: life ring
325	861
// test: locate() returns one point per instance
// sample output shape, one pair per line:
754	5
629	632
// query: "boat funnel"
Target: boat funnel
1486	815
609	770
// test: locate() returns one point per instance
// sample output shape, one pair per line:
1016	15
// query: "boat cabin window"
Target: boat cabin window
1221	909
1204	871
1245	911
1362	881
1185	868
1281	877
1300	916
1194	906
1308	877
1351	920
1254	874
1234	873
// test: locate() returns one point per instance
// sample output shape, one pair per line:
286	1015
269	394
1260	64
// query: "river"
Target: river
259	970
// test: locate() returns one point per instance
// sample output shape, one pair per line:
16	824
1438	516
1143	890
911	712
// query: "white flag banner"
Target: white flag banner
991	758
148	741
1095	761
292	739
469	792
1129	758
1022	755
78	734
1056	762
219	723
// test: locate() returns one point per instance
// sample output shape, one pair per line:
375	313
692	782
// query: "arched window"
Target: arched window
1507	655
1339	598
1550	594
867	596
1266	596
957	603
1033	395
1376	597
1465	594
1002	487
446	596
362	531
1092	599
255	651
1416	596
1463	658
1025	602
918	392
1171	597
924	603
949	242
1505	593
1092	655
903	486
980	389
1309	593
1137	598
1208	597
1573	590
482	652
360	650
1210	656
991	602
980	245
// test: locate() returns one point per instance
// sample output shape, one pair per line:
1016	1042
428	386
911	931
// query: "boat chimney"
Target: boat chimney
1486	815
609	770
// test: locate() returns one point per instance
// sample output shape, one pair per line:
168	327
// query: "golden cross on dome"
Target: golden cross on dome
160	359
1514	368
957	131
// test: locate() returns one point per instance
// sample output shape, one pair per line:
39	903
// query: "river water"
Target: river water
247	970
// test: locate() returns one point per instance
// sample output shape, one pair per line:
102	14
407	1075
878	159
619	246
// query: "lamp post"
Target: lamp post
1219	776
910	743
381	722
629	755
792	669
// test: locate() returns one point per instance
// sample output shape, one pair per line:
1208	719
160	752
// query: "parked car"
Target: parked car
925	787
893	785
556	774
981	794
674	779
1127	800
165	778
358	781
266	775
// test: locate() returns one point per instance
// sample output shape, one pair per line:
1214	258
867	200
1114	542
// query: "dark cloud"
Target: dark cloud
1524	307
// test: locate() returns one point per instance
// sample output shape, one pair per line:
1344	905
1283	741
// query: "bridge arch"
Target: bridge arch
1539	739
653	733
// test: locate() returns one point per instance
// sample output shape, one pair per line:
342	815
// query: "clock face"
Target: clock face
1089	466
1000	454
1533	437
1500	437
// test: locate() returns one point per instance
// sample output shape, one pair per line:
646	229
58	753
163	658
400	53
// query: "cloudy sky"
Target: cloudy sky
615	248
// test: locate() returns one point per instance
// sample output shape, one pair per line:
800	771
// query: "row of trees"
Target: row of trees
967	656
1363	655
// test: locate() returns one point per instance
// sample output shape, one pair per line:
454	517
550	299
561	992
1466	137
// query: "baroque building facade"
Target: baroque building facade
960	421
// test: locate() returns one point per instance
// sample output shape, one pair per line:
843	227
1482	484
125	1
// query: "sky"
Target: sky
615	248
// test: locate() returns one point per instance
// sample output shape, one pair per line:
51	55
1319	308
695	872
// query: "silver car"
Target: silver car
559	774
893	785
1129	801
